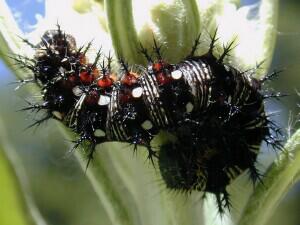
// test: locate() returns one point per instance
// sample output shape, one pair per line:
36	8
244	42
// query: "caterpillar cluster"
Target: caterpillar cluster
213	112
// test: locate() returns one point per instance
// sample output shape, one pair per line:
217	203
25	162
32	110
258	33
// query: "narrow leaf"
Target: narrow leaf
17	206
278	180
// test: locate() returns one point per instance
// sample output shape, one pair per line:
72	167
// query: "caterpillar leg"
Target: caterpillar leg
88	143
223	202
145	142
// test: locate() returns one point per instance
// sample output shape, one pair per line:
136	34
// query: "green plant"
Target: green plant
117	177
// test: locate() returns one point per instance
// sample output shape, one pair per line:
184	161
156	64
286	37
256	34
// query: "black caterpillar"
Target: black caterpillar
213	112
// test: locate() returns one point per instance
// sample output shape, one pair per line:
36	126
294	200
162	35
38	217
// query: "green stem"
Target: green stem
178	25
268	19
123	33
278	180
102	176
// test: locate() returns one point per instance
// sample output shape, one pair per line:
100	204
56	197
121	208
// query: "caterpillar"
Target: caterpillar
213	112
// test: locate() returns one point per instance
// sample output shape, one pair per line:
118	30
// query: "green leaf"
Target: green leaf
254	29
278	179
125	185
94	7
174	24
13	209
82	6
16	207
128	188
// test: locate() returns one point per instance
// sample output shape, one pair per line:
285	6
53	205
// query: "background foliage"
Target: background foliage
60	188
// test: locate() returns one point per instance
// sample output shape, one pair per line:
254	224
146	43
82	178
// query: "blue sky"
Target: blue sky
25	12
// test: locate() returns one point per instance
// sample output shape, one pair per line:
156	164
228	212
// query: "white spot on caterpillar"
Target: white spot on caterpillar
104	100
77	91
177	74
189	107
147	125
137	92
64	60
99	133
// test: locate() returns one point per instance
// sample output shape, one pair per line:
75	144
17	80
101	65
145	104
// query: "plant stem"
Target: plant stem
278	180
